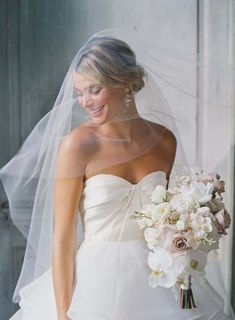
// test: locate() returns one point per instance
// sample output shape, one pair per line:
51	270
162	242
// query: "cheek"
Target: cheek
110	97
105	97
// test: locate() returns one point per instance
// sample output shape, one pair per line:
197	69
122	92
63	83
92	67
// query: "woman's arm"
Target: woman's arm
169	147
68	189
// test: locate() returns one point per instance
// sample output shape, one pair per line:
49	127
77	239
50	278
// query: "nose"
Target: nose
86	100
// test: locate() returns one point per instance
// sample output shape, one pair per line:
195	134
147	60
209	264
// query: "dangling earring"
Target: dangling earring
128	97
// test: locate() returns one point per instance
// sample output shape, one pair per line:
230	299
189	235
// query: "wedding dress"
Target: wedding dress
111	278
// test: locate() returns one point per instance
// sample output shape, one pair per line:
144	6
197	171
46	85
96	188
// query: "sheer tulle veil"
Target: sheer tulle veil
181	91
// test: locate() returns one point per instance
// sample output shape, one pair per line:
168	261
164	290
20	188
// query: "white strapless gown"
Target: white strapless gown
111	264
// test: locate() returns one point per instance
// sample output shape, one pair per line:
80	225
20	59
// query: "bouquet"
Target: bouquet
181	226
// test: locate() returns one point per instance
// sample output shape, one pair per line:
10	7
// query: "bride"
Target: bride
88	166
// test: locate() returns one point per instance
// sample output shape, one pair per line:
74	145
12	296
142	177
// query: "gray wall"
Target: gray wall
38	40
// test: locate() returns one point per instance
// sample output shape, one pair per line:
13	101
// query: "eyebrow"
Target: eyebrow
90	86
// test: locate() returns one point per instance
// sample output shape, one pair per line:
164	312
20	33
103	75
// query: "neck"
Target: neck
124	129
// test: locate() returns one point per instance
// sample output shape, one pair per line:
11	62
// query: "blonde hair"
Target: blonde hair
112	62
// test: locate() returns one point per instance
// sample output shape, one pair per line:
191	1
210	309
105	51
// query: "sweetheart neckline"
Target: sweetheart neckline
125	180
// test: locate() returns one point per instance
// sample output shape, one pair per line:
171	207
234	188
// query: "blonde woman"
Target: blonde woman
101	155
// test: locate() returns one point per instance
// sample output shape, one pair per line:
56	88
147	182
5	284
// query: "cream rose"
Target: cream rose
180	203
179	243
158	195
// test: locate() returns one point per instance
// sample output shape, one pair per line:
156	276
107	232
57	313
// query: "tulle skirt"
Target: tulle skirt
112	284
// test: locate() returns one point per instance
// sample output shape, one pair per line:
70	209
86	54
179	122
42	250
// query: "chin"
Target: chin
101	117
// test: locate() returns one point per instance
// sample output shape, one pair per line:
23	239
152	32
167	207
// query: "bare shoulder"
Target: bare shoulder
169	140
80	139
75	150
166	147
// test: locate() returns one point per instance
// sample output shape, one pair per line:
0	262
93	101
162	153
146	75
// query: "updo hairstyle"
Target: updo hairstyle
112	62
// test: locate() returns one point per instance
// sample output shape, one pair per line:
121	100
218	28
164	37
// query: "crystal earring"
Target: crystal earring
128	97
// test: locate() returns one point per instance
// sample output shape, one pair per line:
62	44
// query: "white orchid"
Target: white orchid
152	237
193	242
144	222
143	218
164	269
201	225
174	217
201	192
162	212
211	242
195	262
151	211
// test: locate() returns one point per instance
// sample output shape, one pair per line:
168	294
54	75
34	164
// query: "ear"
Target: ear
129	85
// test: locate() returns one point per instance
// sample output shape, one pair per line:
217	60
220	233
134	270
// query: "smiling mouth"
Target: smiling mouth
96	111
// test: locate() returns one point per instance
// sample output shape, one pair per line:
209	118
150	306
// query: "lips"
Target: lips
96	111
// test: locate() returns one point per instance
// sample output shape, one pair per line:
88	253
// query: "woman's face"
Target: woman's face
103	103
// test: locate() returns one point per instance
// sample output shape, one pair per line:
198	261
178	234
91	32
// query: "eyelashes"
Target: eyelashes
91	91
96	91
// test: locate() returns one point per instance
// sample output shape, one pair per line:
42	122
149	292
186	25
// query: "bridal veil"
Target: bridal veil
179	88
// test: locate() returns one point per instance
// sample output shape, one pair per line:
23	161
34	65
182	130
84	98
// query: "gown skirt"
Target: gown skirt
111	270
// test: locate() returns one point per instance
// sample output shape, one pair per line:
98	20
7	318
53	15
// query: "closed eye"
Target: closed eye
96	91
92	90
